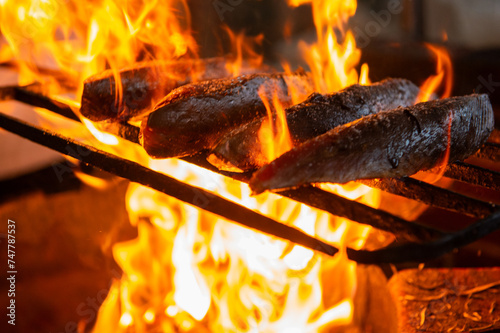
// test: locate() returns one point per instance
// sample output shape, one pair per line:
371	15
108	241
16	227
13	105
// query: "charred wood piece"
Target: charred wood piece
241	149
197	116
393	143
33	96
141	86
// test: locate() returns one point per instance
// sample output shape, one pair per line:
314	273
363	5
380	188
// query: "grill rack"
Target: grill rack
424	242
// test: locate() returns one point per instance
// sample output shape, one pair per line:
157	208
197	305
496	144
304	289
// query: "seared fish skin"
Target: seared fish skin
315	116
392	143
196	116
143	85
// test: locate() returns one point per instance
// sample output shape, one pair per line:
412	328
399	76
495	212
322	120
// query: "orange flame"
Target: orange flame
333	63
441	165
363	76
82	39
332	67
218	276
222	277
78	39
243	49
445	36
273	134
443	78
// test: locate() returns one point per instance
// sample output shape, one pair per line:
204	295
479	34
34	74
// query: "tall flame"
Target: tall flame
190	271
243	48
332	61
73	40
274	136
332	64
82	38
443	79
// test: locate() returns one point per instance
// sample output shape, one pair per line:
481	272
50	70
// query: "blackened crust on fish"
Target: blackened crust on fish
318	114
143	86
196	116
393	143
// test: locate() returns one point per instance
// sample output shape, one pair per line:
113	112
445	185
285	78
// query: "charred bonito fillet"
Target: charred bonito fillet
196	116
142	86
318	114
392	143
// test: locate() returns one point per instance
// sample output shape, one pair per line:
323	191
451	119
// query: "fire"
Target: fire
333	62
443	78
441	81
84	39
243	49
189	270
363	76
332	66
222	277
273	134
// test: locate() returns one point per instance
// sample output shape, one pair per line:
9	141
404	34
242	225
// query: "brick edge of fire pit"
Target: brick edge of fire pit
447	299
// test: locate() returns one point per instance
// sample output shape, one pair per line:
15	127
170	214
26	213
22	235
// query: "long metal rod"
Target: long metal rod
474	175
430	250
139	174
432	195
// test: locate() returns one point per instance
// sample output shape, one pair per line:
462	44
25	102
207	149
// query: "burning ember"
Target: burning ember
190	270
